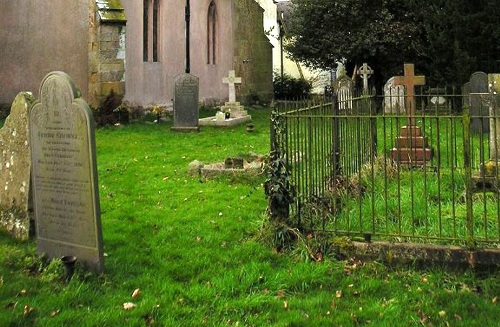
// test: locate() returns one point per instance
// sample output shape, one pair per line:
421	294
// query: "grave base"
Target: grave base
185	129
211	121
411	147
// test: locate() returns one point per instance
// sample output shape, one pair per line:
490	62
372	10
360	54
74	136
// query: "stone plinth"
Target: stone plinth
411	147
238	115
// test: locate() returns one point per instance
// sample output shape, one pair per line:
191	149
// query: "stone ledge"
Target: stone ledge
424	254
211	121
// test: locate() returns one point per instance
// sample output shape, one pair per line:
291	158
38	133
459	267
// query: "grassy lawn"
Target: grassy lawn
193	248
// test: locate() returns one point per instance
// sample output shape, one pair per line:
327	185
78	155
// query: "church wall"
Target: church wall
38	37
252	53
149	83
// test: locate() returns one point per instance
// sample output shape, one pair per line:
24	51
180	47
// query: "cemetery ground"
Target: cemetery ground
196	251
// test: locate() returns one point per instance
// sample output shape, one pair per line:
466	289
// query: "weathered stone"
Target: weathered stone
186	97
233	163
15	169
64	174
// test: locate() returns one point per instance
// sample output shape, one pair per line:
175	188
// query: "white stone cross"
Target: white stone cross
365	71
231	80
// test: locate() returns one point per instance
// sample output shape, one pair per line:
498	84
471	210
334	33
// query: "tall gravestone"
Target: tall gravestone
186	95
478	109
411	146
343	87
15	169
64	174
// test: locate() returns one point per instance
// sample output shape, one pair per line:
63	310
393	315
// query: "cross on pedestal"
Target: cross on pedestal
411	146
231	80
409	81
365	71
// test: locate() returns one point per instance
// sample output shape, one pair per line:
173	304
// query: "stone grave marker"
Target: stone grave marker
365	72
15	170
64	174
394	97
231	81
411	146
478	88
343	88
488	177
232	112
186	95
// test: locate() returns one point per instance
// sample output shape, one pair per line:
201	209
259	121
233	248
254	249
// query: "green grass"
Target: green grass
193	248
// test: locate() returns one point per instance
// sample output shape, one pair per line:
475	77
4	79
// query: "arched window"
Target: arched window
151	22
211	33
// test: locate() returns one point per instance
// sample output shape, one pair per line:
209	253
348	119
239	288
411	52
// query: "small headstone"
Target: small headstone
186	95
478	89
15	169
64	174
394	97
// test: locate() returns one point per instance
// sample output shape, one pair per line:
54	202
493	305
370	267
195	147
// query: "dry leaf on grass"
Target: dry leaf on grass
136	293
129	306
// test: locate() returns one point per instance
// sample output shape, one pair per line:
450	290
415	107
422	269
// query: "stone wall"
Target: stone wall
252	53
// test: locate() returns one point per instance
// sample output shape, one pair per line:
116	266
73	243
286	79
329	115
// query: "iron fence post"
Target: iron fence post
469	223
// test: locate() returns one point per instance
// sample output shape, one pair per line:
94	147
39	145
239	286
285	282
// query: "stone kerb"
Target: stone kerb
15	169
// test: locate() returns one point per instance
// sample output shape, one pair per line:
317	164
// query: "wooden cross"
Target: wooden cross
409	81
365	71
231	80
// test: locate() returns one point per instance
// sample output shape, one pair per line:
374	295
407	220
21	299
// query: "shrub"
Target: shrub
290	88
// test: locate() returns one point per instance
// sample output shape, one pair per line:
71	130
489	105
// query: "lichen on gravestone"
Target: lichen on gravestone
15	169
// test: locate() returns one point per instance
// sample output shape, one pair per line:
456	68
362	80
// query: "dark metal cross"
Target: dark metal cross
409	81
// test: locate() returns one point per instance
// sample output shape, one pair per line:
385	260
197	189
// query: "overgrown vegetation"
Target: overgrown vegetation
287	87
193	248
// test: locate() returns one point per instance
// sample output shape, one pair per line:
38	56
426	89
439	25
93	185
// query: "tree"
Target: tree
381	32
447	40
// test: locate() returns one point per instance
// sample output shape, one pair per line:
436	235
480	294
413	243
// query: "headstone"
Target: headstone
478	109
494	112
394	97
365	72
64	174
487	180
15	169
343	88
411	145
186	95
231	81
232	112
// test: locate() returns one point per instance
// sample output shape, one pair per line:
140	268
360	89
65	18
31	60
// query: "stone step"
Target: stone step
411	131
411	155
411	142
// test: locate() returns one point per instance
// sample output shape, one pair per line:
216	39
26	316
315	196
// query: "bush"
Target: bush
290	88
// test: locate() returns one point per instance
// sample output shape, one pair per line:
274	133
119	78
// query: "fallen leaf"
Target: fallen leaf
458	318
129	306
338	294
495	300
285	305
136	293
22	293
27	310
442	313
55	313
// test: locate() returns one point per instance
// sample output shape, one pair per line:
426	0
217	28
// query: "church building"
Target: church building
135	48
